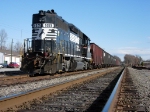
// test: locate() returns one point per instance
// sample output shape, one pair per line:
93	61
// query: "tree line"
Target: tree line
132	60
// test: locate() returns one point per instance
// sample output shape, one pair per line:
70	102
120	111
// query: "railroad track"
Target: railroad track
10	87
7	76
24	78
49	91
129	98
11	73
125	98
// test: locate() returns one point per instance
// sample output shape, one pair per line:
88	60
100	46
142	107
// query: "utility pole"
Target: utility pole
21	33
11	49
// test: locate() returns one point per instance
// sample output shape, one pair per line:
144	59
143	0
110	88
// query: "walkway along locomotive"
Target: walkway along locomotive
56	46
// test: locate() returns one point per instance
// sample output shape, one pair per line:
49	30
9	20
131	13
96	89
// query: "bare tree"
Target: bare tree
18	47
138	60
3	37
9	46
132	60
129	59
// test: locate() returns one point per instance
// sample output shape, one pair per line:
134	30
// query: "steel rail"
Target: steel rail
7	78
111	101
27	75
18	99
13	77
20	79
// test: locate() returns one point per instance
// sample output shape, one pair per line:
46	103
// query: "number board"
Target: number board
44	25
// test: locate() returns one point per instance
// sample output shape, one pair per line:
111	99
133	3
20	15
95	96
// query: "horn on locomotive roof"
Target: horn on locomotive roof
48	11
53	11
41	12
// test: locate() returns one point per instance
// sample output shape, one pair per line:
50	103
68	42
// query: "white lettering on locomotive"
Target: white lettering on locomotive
37	25
45	25
48	25
44	31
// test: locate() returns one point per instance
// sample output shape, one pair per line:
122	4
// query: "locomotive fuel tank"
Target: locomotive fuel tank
80	66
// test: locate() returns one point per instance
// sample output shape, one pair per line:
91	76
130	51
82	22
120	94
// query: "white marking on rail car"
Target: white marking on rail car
76	56
74	38
104	54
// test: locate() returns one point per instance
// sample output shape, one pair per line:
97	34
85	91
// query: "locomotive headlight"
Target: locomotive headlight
42	20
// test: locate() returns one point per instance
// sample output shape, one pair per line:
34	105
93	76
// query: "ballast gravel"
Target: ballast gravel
141	79
2	75
22	88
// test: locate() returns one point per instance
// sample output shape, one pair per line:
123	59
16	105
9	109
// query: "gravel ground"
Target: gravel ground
141	79
3	76
20	88
81	98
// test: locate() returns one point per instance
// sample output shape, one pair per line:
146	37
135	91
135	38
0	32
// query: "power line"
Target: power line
14	28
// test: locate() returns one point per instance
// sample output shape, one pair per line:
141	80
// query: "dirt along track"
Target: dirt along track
17	86
46	90
9	77
128	97
24	78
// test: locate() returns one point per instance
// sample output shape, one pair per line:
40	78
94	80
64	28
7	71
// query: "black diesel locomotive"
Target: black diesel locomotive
55	46
58	46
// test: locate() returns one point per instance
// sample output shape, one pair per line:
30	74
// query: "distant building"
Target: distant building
1	57
5	56
146	64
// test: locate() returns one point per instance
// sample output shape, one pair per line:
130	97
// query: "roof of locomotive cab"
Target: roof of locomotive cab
41	12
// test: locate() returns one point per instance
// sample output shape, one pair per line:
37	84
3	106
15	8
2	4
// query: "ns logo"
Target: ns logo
41	33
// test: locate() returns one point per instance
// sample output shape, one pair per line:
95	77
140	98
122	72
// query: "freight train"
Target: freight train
58	46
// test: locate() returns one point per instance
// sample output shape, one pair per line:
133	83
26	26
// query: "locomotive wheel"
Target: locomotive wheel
31	74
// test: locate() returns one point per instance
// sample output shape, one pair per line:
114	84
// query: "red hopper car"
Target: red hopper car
96	55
